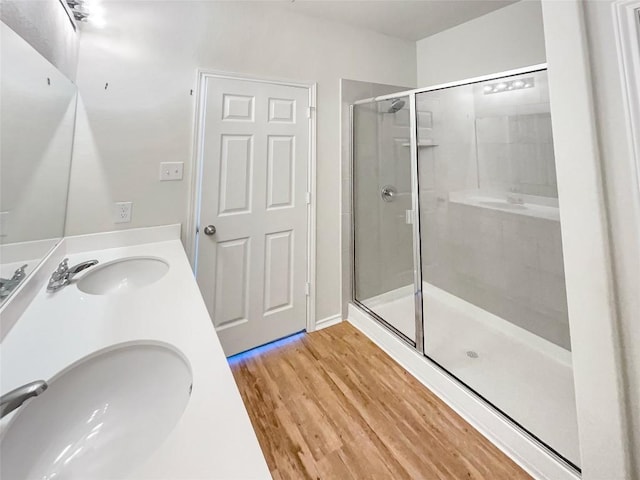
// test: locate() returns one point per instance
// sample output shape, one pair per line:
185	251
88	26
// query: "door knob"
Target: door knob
209	230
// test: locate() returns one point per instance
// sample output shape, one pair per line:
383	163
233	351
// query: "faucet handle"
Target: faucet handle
63	267
19	273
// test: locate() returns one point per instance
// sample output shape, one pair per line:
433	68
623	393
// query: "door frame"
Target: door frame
195	177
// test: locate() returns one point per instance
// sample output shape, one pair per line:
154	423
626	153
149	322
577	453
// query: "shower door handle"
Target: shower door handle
388	193
409	217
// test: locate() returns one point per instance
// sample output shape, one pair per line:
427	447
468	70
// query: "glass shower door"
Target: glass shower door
384	275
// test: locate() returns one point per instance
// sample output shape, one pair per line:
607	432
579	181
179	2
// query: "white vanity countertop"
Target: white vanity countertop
214	438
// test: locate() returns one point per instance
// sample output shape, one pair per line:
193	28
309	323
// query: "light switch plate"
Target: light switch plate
122	212
171	171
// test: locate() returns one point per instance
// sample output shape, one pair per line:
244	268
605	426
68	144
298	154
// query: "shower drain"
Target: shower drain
472	354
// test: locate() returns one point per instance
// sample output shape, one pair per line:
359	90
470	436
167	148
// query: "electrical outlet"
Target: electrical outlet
171	171
122	212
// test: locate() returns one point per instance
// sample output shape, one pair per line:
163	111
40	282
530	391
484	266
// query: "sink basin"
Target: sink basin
123	275
100	418
503	205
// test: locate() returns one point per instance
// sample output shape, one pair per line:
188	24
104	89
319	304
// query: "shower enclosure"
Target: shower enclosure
456	242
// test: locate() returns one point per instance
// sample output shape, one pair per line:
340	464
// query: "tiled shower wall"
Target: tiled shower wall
508	264
445	119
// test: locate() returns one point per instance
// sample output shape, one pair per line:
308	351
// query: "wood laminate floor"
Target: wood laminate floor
332	405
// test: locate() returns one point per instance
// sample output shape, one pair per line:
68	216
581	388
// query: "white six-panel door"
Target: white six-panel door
252	272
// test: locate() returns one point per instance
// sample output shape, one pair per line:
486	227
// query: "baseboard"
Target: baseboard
516	444
328	321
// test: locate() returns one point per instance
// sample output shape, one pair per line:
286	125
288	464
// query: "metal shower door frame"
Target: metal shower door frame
415	200
418	342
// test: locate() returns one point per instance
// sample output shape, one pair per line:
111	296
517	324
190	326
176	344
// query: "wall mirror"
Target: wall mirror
514	145
37	116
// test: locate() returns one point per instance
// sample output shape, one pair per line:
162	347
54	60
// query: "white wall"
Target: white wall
505	39
45	25
148	53
621	166
593	313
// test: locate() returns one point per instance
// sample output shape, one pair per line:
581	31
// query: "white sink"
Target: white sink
99	418
123	275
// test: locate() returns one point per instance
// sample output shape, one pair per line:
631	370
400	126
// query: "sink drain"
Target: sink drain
472	354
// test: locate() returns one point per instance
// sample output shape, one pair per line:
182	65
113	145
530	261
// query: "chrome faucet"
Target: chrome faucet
63	274
13	399
8	285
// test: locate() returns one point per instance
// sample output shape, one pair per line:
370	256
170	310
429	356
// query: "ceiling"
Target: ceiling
408	19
